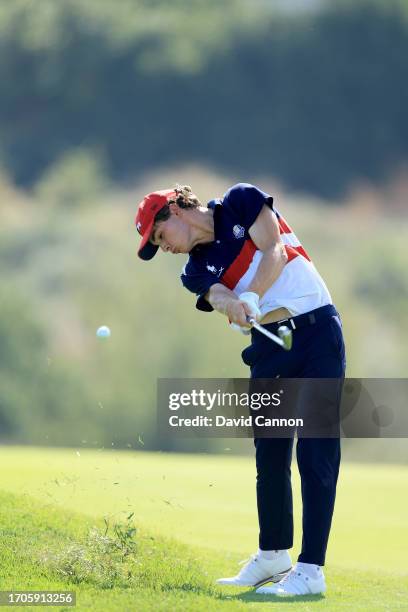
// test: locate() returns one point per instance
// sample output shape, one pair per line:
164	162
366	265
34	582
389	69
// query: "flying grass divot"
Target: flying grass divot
104	558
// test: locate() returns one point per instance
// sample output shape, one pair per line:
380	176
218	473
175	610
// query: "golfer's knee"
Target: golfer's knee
319	475
274	474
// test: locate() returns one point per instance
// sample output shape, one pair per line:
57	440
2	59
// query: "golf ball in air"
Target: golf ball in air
103	332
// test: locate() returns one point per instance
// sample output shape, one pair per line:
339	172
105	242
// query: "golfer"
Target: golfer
245	260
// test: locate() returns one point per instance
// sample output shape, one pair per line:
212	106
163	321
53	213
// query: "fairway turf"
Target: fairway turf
52	498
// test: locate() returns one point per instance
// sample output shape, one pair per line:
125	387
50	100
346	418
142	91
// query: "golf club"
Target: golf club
284	337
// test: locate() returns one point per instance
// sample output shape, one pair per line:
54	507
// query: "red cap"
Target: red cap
148	209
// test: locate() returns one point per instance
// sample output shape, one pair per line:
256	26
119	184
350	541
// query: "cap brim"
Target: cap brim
147	250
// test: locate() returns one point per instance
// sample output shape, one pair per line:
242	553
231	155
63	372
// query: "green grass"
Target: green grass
192	524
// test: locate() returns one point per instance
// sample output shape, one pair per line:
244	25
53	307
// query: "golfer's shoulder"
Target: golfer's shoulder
237	194
244	191
239	190
245	201
244	194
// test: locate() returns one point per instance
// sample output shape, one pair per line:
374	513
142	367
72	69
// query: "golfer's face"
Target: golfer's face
172	235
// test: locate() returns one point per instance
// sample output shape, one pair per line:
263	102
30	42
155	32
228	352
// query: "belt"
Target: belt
303	320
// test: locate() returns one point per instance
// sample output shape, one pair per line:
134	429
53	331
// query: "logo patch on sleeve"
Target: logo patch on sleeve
238	231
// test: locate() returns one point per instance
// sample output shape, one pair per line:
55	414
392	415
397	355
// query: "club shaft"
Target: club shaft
265	332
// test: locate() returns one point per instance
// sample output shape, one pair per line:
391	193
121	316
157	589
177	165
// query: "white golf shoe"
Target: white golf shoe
295	583
258	570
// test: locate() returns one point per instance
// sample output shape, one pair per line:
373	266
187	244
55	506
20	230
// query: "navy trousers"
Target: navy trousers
317	352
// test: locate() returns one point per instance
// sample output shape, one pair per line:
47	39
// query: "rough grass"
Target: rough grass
116	562
118	567
44	547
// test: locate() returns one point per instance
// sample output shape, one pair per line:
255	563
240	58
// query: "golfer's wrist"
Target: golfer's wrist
229	306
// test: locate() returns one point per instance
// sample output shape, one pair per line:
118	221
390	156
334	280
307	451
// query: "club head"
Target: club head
285	334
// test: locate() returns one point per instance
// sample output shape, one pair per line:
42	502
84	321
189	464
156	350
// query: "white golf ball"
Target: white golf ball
103	332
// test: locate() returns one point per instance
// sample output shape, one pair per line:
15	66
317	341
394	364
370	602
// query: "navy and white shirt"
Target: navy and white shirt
232	259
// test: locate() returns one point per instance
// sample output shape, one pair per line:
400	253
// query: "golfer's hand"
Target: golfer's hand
237	312
250	299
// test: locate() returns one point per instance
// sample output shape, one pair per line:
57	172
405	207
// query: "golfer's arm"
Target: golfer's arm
219	296
264	232
266	237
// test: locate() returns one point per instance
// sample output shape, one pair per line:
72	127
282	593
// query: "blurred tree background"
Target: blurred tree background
103	101
317	99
